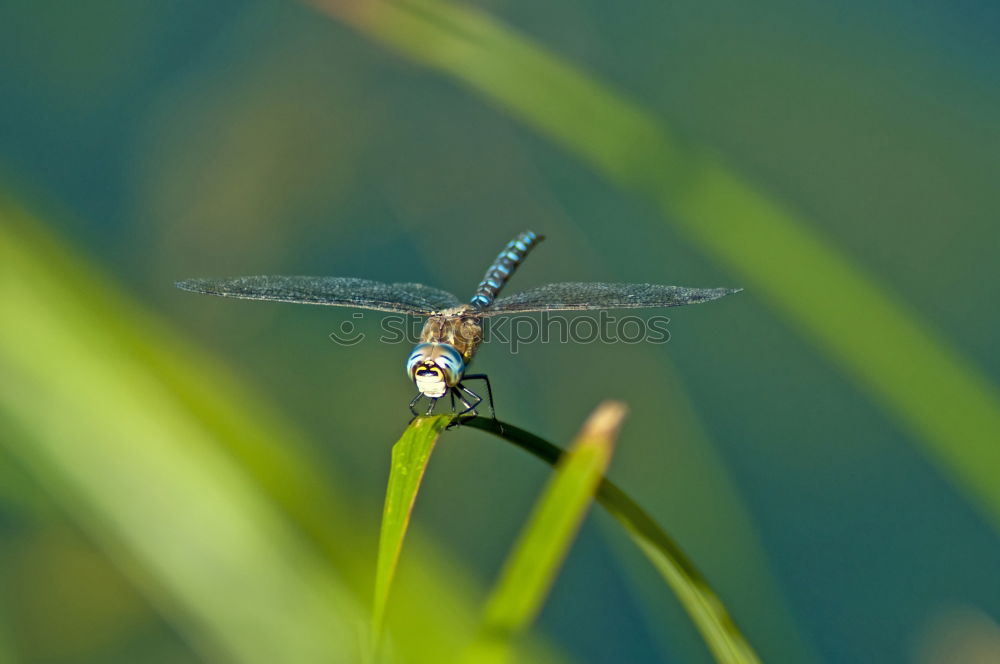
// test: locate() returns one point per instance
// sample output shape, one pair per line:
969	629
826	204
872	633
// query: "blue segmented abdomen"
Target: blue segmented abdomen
499	272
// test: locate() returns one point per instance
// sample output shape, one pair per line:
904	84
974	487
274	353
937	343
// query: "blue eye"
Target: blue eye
444	356
420	353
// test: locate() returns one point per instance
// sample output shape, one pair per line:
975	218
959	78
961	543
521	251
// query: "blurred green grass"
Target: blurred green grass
101	431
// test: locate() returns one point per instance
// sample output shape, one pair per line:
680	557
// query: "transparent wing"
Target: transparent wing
573	296
331	291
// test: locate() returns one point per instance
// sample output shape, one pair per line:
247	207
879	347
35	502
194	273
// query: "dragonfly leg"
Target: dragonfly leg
413	404
451	393
489	392
430	408
470	408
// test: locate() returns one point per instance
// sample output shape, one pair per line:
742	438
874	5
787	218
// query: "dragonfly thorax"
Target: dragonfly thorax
434	367
459	328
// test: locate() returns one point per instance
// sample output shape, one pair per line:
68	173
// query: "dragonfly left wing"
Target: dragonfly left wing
331	291
578	296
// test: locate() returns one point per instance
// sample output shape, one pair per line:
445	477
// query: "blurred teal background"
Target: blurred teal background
170	140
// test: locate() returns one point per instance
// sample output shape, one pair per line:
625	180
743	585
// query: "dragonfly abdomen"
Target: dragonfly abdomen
503	267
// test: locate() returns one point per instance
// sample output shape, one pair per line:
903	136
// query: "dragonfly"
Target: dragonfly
453	330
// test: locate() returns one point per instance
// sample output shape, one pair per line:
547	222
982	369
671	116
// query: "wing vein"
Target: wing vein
581	296
407	298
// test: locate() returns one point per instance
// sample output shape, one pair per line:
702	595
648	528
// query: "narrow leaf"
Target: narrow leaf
410	455
534	562
84	411
692	590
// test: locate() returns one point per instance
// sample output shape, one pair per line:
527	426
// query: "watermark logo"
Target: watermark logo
515	330
348	334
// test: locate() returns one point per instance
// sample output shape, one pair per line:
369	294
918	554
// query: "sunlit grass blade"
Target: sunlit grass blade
692	590
952	407
147	480
410	455
534	562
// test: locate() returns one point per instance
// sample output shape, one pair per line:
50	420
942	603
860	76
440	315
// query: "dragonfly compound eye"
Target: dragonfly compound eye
434	367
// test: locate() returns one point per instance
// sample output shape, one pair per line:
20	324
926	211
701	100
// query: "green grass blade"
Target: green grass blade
410	455
951	407
534	562
692	590
145	477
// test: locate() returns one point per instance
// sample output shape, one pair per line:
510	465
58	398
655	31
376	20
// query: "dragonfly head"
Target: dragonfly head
434	367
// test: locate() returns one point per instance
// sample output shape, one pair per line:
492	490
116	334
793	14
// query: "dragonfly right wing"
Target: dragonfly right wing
331	291
577	296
